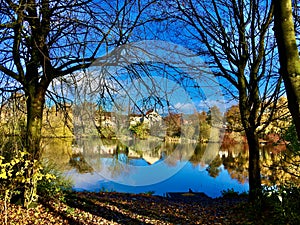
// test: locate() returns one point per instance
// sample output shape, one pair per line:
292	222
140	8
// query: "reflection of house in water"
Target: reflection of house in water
226	153
234	150
149	156
223	153
107	150
111	150
95	149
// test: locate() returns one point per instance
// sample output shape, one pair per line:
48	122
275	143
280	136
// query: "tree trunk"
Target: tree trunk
254	166
288	56
35	105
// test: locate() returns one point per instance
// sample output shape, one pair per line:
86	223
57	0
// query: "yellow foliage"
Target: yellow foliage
3	174
280	120
14	173
57	123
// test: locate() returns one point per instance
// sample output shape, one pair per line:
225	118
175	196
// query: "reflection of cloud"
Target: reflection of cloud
85	181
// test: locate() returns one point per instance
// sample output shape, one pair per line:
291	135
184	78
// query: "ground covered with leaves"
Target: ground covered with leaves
121	208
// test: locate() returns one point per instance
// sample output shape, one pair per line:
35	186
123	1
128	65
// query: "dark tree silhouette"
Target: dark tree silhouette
235	37
44	40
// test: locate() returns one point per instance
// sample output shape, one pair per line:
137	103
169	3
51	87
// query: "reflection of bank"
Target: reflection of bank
150	151
108	155
143	152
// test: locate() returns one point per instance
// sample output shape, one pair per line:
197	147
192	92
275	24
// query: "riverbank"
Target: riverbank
122	208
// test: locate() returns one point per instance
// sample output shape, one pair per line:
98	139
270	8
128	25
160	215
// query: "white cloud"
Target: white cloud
206	104
186	108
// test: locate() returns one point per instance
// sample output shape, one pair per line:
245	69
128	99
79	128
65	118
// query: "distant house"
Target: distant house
135	119
153	117
150	118
105	119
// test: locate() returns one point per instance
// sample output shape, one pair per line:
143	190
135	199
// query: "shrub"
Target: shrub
283	204
19	175
229	193
53	188
22	179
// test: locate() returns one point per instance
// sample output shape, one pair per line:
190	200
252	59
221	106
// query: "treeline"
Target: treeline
85	120
57	121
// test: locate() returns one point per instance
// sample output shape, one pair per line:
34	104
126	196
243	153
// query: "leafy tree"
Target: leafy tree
173	123
140	130
202	116
233	118
204	132
281	119
214	116
288	56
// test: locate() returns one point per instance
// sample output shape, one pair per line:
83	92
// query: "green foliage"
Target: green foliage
292	138
53	188
282	204
214	116
23	179
106	132
149	193
103	189
204	133
189	132
230	192
141	130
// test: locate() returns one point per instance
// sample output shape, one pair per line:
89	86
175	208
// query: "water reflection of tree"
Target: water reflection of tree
210	153
277	168
78	162
198	153
118	166
180	153
237	167
214	167
280	166
87	154
57	152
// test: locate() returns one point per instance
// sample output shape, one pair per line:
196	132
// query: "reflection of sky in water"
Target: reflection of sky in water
188	176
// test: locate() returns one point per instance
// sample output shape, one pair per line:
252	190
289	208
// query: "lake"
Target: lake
153	166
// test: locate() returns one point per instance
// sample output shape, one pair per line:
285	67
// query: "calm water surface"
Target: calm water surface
151	166
189	177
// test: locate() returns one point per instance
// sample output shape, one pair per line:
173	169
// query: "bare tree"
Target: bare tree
43	40
288	55
235	38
